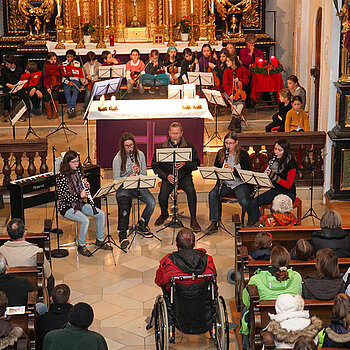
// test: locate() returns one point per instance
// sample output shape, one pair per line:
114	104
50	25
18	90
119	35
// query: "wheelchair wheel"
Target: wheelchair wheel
221	336
161	324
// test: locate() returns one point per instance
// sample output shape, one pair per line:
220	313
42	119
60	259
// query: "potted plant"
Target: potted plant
184	28
88	29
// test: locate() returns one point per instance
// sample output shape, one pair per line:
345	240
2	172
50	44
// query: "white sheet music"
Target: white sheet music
164	155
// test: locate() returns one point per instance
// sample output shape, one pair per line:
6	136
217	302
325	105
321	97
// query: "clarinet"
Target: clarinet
271	161
175	172
227	151
89	197
132	158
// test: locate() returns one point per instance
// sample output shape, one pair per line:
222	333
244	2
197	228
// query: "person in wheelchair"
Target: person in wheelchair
185	261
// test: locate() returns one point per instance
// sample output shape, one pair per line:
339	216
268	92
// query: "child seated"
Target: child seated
284	106
292	321
108	59
155	66
303	250
188	64
134	68
262	246
297	119
172	63
35	92
208	59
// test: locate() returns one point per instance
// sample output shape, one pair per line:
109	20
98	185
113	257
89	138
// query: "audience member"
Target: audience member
296	90
292	321
332	236
326	283
303	250
75	335
262	246
304	343
16	289
57	316
296	119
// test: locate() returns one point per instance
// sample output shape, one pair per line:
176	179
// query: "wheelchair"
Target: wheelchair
192	309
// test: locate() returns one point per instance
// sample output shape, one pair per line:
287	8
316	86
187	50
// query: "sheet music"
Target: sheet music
164	155
116	71
18	86
174	91
146	181
255	178
201	78
17	113
214	96
214	173
108	189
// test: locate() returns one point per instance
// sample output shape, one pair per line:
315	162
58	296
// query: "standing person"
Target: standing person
281	170
185	182
189	64
71	192
296	89
233	157
130	161
297	119
133	69
52	85
172	63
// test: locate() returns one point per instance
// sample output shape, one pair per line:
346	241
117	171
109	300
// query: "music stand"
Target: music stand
136	183
173	155
214	97
174	92
109	72
66	72
103	192
201	79
17	113
155	80
99	88
220	175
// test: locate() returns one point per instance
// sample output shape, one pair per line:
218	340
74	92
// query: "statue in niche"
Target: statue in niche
135	21
344	16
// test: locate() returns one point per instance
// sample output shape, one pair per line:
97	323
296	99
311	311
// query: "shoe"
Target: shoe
48	110
83	250
103	246
124	243
143	229
195	226
160	220
71	114
213	228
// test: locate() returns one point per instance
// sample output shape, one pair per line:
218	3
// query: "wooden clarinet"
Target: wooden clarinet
89	197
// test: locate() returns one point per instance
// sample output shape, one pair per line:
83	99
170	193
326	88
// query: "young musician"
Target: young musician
282	169
130	161
184	180
90	70
52	85
71	85
231	48
172	64
35	92
189	64
233	157
221	67
109	59
10	76
72	189
155	66
207	57
134	68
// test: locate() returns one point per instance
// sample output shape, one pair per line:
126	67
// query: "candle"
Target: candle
102	101
100	7
170	7
113	101
212	6
78	8
257	59
186	101
196	101
58	8
191	6
260	63
274	61
111	40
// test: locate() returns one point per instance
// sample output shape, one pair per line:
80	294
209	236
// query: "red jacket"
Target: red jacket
246	59
227	81
167	267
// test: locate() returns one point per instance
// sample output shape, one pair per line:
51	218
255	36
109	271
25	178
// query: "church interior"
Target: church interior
195	56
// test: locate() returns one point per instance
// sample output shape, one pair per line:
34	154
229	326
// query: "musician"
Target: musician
282	169
35	93
220	69
188	64
155	66
184	180
233	157
208	56
52	85
133	69
130	161
172	63
109	59
72	191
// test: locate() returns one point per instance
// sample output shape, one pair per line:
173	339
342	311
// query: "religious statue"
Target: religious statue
344	16
135	21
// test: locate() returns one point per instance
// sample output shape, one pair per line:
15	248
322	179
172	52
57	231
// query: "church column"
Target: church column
121	20
67	23
202	9
151	18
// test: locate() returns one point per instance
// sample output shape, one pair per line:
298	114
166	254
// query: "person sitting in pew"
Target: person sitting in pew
19	252
9	334
16	289
291	321
337	333
332	236
305	343
262	246
326	283
303	250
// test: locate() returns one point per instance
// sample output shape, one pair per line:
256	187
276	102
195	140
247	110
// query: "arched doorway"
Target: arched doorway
317	67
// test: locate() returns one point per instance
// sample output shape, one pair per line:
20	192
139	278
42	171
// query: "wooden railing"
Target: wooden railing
20	149
307	148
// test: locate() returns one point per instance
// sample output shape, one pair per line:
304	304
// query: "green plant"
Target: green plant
87	28
184	25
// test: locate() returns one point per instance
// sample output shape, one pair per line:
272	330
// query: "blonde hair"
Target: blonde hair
331	219
282	204
285	93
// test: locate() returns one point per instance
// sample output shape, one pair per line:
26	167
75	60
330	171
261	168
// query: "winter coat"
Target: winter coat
286	328
315	287
9	335
261	254
333	238
335	335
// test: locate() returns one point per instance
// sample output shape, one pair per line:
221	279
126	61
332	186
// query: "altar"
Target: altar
148	121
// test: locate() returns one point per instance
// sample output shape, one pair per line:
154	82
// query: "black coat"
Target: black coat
9	77
336	336
315	287
336	239
16	289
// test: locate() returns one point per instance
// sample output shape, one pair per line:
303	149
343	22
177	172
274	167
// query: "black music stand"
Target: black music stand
311	211
17	113
99	88
155	80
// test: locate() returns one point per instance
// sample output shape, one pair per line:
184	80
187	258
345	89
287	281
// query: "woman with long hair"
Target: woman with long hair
296	89
130	161
229	156
282	169
71	194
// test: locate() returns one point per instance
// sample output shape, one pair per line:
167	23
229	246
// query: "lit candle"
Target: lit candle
113	101
212	6
102	101
260	63
100	7
274	61
78	8
196	101
170	7
186	101
191	6
58	8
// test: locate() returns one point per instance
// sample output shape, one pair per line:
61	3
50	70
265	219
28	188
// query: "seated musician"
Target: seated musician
189	64
108	59
130	161
71	191
185	261
133	69
172	63
230	156
281	170
51	88
185	182
19	252
155	66
220	68
208	56
10	76
35	92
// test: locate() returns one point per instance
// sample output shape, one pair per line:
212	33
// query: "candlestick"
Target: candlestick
170	7
186	105
101	34
100	7
78	8
191	6
102	106
192	41
80	44
171	41
58	8
212	6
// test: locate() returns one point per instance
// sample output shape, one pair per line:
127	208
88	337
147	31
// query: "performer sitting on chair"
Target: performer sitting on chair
185	181
71	191
185	261
230	156
130	161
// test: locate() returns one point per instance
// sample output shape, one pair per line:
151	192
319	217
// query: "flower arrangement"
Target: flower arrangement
87	27
184	25
266	68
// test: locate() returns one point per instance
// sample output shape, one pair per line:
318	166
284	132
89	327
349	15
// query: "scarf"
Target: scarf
277	219
75	187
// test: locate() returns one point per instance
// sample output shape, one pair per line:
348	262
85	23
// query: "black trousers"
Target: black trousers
275	122
22	94
185	184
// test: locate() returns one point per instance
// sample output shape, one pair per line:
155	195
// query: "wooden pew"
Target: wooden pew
259	317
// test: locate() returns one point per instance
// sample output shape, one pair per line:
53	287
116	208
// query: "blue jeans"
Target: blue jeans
81	217
242	193
263	199
71	93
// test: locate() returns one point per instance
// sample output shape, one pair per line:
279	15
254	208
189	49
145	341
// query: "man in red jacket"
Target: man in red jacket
185	261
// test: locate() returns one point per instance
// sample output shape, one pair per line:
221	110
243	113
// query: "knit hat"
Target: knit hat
81	315
170	48
289	303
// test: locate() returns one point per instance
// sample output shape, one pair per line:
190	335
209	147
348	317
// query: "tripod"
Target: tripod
30	129
87	160
215	134
311	212
62	126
